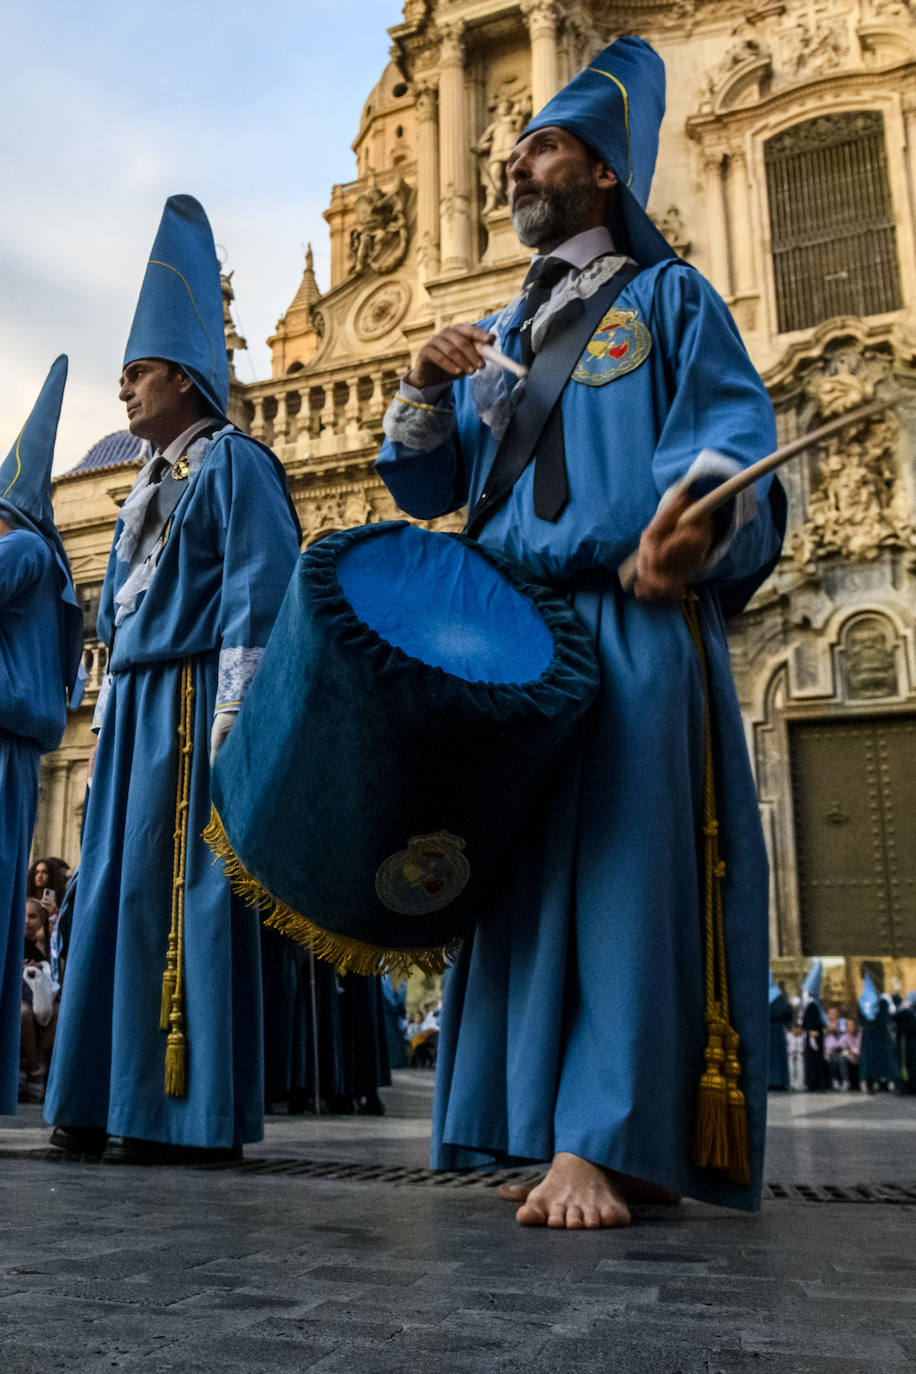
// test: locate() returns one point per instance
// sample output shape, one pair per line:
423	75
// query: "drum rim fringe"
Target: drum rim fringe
348	954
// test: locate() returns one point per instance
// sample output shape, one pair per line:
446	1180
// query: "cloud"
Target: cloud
110	110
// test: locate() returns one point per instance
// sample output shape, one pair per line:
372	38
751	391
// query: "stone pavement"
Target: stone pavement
309	1258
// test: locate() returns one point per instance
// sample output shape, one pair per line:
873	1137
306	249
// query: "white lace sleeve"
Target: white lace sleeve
707	464
417	425
98	714
237	668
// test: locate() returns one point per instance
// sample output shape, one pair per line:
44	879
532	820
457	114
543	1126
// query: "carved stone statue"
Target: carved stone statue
379	239
234	340
869	662
494	146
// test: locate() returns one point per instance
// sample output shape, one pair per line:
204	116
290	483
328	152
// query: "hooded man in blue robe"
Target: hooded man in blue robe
41	642
159	1042
551	1047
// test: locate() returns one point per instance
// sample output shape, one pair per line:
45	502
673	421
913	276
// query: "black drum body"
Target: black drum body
414	697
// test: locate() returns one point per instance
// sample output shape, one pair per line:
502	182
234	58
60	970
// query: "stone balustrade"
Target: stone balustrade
95	662
317	413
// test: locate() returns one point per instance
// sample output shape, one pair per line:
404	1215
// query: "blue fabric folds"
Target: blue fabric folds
347	747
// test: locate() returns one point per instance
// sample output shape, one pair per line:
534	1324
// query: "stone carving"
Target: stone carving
234	340
893	9
868	657
381	310
671	225
858	505
811	49
379	239
847	381
746	53
336	511
496	143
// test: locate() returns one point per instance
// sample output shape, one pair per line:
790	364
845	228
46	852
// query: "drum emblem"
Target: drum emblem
620	343
426	876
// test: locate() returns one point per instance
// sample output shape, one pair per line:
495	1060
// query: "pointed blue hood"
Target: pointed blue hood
812	983
775	989
25	501
616	105
179	315
868	1002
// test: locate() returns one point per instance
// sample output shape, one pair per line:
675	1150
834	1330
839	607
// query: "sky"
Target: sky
109	109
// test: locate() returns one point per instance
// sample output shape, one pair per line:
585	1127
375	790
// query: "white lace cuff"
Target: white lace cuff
100	704
710	464
417	425
237	668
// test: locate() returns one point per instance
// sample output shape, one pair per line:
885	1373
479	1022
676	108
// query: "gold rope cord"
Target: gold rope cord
171	1016
721	1135
346	953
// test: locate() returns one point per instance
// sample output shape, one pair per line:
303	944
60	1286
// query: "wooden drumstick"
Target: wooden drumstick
748	476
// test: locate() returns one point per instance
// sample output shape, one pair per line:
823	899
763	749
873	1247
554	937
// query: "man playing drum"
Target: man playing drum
551	1045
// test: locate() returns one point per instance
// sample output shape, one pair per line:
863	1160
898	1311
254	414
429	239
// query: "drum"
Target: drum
412	702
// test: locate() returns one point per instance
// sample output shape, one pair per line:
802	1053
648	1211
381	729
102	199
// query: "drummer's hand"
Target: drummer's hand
451	353
668	558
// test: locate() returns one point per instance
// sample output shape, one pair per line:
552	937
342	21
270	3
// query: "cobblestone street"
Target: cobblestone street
332	1249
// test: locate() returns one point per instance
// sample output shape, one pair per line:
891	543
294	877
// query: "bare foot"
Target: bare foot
634	1190
574	1195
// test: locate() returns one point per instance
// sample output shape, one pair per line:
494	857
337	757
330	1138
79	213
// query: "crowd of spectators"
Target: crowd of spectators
812	1050
43	963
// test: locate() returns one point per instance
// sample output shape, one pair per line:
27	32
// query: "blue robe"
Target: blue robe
32	711
879	1062
780	1018
551	1037
219	582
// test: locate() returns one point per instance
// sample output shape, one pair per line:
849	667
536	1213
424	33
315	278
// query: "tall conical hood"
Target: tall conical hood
812	983
25	498
179	315
868	1002
775	989
25	477
616	105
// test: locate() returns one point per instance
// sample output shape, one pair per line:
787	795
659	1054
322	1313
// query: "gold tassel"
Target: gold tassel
347	954
711	1131
176	1055
171	1010
739	1153
721	1134
169	979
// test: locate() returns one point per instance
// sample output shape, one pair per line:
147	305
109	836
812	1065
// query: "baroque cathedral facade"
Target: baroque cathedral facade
787	175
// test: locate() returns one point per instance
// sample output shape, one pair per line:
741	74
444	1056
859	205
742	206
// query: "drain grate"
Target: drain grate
893	1194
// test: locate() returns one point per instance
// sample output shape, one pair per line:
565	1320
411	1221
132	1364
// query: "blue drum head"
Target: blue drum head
443	603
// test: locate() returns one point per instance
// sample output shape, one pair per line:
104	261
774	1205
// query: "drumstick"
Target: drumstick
493	355
746	478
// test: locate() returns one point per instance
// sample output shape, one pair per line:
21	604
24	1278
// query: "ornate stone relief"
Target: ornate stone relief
381	310
868	658
857	505
338	510
379	240
812	48
510	115
671	225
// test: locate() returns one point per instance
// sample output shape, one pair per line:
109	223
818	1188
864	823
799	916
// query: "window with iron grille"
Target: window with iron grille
831	221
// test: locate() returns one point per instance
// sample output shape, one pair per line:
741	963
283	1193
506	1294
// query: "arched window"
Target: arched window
831	220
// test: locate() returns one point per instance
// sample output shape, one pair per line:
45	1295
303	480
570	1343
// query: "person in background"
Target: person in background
656	399
159	1043
852	1053
879	1066
41	643
780	1018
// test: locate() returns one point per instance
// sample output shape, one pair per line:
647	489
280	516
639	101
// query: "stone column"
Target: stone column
453	153
281	420
427	182
257	429
541	18
742	231
717	226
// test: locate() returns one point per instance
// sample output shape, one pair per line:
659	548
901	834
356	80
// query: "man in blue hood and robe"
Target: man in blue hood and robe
159	1043
551	1047
41	642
